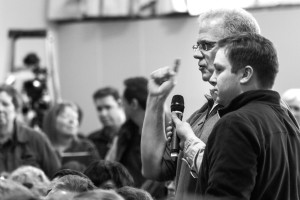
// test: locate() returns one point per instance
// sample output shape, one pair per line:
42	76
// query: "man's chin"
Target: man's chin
206	77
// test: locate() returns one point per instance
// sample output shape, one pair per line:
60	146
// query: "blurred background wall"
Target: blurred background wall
97	53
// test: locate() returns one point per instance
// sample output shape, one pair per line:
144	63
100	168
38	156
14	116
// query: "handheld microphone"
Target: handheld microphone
177	105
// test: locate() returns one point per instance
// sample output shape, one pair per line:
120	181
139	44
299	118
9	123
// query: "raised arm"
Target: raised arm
153	142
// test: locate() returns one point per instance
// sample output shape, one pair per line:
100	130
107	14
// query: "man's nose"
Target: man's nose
213	79
198	54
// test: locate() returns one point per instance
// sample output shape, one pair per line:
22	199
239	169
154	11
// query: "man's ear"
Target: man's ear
247	74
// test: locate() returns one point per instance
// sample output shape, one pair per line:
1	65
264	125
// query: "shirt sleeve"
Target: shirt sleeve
193	154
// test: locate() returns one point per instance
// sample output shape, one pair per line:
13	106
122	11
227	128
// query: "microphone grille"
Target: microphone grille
177	103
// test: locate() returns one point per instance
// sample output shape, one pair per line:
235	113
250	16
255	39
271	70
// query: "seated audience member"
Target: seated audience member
11	190
61	124
126	149
109	174
19	144
132	193
292	98
111	115
67	186
33	178
98	194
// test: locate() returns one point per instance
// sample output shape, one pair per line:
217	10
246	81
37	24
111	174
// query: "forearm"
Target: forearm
153	140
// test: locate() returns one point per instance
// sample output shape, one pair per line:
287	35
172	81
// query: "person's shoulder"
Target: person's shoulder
198	113
244	118
32	137
128	127
95	133
83	144
251	110
32	133
83	140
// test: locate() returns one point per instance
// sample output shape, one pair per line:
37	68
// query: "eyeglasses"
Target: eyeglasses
204	45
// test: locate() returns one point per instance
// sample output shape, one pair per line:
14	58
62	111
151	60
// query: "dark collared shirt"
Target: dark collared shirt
28	147
128	151
103	139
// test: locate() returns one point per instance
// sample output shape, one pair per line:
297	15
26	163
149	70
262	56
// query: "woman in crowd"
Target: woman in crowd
61	124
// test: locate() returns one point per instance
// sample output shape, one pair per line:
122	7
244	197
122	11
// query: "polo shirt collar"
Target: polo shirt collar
20	136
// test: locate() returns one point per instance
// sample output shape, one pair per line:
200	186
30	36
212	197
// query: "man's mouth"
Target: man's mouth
201	67
213	92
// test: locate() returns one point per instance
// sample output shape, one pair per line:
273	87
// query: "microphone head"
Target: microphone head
177	103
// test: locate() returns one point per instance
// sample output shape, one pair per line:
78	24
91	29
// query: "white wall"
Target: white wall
20	14
96	54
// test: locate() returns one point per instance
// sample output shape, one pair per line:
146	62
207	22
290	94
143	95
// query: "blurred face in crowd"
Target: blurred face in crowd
67	121
210	32
8	112
110	111
226	83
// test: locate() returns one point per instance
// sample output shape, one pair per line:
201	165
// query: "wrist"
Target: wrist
192	140
155	102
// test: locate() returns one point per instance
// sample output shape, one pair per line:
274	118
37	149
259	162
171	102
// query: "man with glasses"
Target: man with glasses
253	150
157	163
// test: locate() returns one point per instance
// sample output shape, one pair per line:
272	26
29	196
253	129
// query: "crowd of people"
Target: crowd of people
244	143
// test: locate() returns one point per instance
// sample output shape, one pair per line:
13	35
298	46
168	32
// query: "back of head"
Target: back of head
101	172
72	183
250	49
233	20
64	172
98	194
11	190
131	193
31	177
31	59
106	91
136	88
